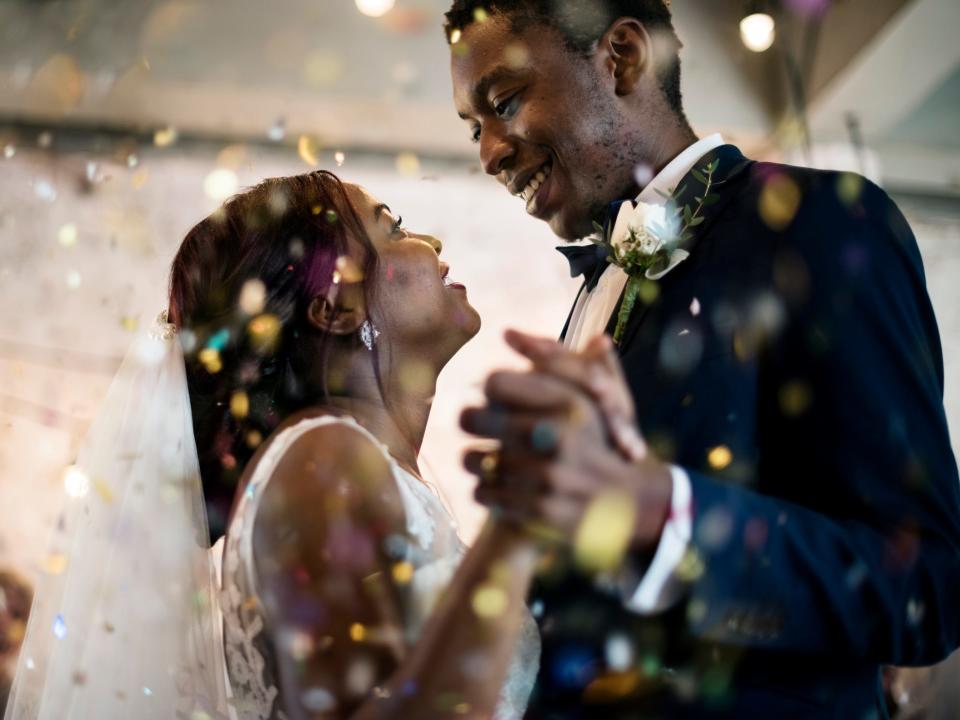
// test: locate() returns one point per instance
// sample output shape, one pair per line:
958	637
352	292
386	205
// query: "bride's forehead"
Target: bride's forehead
360	197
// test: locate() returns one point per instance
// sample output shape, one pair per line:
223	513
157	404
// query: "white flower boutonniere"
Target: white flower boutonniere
645	241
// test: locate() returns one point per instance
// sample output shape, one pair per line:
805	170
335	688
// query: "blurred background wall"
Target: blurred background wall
123	124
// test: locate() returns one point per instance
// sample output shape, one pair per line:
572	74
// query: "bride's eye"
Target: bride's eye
398	226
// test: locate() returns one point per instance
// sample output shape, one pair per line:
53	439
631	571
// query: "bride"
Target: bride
305	334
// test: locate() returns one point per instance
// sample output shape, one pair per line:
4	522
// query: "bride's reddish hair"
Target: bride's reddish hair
286	233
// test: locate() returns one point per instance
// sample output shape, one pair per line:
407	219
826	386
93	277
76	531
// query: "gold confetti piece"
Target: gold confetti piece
357	632
55	564
239	405
795	398
129	323
210	359
604	532
322	69
691	566
849	187
349	270
339	158
402	572
103	490
264	332
308	149
720	457
165	137
455	36
408	164
649	292
461	708
489	601
480	15
779	202
67	235
254	439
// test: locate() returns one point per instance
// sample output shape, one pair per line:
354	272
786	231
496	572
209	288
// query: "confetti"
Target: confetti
402	572
277	131
488	601
45	190
59	627
408	164
239	405
67	235
795	398
695	307
375	8
210	359
253	296
165	137
455	36
604	532
339	158
44	140
9	151
307	149
55	564
264	332
220	184
349	270
779	202
318	699
720	457
619	652
357	632
76	482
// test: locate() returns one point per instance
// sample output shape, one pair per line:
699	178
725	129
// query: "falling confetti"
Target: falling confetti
318	699
455	36
489	601
720	457
375	8
604	532
45	190
277	131
55	564
210	359
9	151
339	158
220	184
239	405
695	307
357	632
779	202
402	572
76	482
253	296
308	149
59	627
67	235
349	270
264	332
165	137
408	164
74	280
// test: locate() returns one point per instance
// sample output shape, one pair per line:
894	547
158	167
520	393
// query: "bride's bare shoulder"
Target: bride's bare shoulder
331	469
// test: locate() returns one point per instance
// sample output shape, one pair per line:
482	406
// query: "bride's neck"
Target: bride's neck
398	420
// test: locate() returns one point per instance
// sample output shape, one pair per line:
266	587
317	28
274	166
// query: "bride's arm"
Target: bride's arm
331	592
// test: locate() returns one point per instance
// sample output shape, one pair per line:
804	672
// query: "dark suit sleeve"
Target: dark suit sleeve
860	554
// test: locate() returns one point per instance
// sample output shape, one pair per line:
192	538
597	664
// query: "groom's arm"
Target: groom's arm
869	565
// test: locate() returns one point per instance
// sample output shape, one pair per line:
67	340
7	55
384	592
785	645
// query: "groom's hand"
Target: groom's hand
557	454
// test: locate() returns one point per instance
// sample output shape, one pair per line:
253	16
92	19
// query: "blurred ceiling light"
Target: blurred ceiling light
375	8
758	31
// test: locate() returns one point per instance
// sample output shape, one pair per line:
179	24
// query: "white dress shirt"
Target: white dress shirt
658	588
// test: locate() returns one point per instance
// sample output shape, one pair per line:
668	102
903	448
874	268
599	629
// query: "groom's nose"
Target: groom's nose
495	152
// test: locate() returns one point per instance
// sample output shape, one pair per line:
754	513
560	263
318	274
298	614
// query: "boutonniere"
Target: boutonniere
645	241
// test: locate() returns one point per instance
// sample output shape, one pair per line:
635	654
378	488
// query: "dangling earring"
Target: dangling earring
369	334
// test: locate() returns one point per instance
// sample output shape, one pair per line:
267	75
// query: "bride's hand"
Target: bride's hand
597	372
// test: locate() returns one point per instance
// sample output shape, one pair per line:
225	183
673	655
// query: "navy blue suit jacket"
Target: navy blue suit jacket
805	401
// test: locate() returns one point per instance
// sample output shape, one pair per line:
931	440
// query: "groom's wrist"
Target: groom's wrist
653	492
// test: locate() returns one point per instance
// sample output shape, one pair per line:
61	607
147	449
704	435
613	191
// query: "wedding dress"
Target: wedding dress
431	546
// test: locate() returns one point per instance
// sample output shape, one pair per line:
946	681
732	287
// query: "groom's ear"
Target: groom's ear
339	312
628	53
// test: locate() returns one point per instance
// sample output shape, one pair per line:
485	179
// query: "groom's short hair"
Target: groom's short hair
581	23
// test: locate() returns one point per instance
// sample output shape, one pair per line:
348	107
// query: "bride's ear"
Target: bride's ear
339	312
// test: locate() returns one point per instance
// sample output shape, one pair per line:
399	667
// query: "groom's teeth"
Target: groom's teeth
535	182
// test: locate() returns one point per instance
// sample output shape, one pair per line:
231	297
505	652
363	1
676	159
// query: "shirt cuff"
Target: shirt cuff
659	587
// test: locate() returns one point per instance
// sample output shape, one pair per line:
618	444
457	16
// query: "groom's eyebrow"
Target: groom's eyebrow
482	89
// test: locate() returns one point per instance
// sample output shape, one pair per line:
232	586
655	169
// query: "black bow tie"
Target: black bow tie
591	260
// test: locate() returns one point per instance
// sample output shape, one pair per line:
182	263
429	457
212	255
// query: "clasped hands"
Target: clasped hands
567	436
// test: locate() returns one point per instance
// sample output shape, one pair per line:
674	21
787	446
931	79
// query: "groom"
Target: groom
791	520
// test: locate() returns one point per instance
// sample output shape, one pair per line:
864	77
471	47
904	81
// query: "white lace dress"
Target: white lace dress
433	549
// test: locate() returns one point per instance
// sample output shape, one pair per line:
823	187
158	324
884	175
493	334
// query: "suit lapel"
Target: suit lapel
731	164
566	325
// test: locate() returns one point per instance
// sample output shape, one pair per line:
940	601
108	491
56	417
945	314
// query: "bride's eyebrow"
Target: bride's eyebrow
379	209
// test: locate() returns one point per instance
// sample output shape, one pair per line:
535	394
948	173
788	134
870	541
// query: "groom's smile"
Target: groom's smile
539	115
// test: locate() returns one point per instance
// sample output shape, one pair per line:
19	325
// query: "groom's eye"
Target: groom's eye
507	107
